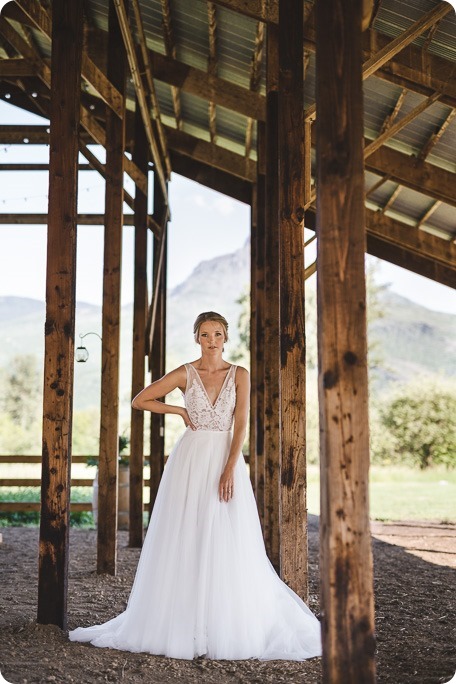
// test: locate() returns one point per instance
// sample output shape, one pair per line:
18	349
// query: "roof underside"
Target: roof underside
180	30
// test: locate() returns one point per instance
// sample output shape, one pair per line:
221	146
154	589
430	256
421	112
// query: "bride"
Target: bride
204	585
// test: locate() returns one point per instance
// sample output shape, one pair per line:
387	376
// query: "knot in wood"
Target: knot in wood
350	358
329	379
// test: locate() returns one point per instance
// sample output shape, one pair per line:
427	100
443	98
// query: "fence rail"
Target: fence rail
35	506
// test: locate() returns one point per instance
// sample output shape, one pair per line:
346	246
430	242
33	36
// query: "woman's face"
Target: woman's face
211	337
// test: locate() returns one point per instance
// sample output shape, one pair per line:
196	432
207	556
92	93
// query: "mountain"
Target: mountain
410	339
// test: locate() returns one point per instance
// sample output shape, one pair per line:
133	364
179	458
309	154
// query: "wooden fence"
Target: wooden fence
30	506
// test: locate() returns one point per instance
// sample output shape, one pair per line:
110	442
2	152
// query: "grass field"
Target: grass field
396	493
401	493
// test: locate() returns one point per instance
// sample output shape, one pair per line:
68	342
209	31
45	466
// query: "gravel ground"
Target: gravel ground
415	584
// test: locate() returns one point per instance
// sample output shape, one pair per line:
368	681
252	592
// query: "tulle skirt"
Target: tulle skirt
204	584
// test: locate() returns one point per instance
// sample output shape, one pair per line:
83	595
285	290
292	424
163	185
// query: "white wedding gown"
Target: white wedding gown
204	584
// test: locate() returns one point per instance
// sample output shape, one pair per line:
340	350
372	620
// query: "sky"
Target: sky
204	224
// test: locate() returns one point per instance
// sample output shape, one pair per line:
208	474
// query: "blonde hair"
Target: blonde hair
213	317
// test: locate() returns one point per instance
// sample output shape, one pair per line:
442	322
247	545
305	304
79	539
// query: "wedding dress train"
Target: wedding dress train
204	584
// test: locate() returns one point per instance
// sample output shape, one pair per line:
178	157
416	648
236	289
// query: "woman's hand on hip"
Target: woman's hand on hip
226	485
187	421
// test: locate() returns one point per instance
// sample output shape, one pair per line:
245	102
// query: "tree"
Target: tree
22	394
418	426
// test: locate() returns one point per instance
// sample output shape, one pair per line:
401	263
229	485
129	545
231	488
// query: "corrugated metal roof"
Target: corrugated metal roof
235	45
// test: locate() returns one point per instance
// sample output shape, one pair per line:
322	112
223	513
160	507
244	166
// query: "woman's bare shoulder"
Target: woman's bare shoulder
242	373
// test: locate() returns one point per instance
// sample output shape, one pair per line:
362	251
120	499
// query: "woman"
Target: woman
204	584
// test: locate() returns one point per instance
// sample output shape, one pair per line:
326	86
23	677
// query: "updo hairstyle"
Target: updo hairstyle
211	316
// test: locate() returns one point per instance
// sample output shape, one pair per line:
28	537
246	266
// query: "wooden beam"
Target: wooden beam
109	415
211	154
436	136
257	349
196	82
255	79
89	123
391	117
42	219
408	239
293	483
412	261
253	425
211	177
386	53
60	316
212	66
38	167
412	173
170	51
139	89
157	343
16	67
260	10
428	213
272	432
391	199
399	125
41	20
151	92
347	603
141	157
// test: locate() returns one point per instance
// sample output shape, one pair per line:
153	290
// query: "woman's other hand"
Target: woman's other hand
226	485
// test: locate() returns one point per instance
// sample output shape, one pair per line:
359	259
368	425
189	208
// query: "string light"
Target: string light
88	188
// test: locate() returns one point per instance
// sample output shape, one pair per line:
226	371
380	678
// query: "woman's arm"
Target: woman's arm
147	399
241	412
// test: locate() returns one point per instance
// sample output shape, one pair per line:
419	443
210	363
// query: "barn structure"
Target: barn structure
336	115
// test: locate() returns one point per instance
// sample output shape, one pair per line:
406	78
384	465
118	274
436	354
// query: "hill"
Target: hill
410	339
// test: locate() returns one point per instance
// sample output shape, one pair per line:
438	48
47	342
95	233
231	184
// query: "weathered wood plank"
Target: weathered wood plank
157	357
109	417
140	157
258	331
211	177
60	315
292	166
253	341
271	318
345	542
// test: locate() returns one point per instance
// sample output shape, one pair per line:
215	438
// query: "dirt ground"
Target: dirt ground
415	582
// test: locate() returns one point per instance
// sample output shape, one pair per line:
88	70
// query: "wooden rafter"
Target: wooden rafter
436	136
255	79
428	213
399	125
141	93
393	47
151	92
212	65
90	72
377	185
391	117
392	199
89	123
396	241
170	51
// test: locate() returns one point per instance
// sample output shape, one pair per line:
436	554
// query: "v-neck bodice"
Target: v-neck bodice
202	412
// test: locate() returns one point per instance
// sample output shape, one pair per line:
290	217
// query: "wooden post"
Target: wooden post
109	420
258	330
293	511
158	351
140	158
253	341
271	318
345	556
60	313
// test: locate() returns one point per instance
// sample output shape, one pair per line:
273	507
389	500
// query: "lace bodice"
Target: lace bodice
203	414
